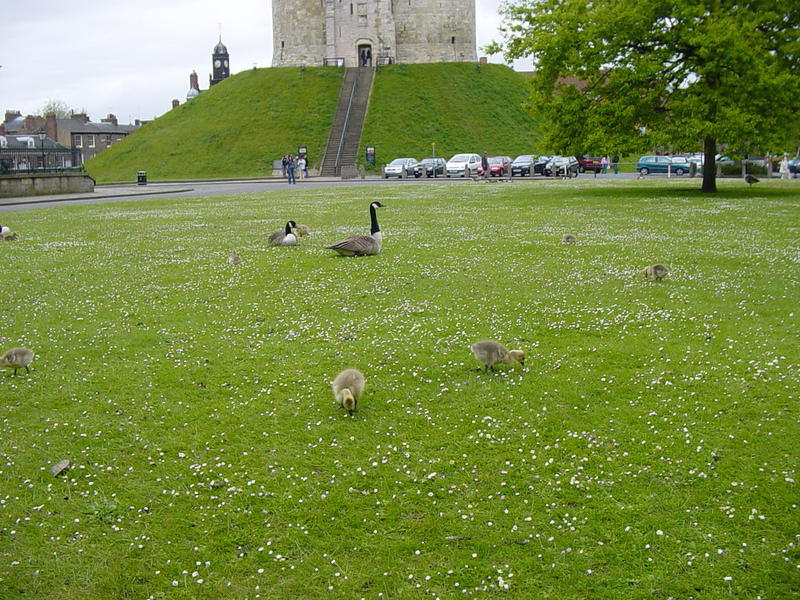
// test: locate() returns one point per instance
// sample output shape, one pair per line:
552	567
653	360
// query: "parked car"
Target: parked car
498	166
794	165
561	165
400	167
540	164
426	167
463	165
588	163
522	165
662	164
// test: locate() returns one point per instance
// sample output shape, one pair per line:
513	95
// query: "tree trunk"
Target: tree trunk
709	165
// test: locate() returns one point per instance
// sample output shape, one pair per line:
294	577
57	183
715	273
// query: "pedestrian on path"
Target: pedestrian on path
615	163
485	165
291	165
604	165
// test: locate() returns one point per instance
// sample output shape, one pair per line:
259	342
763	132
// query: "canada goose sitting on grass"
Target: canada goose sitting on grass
285	237
490	353
234	258
656	272
750	180
301	230
568	239
347	389
7	234
362	245
16	358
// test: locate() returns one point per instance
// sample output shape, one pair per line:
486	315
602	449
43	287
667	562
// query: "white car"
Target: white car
463	165
400	167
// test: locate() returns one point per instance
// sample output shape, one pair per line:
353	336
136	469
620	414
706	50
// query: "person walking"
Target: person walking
301	167
604	165
615	163
785	166
485	165
291	165
283	165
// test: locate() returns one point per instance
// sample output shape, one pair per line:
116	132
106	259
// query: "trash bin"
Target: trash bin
141	177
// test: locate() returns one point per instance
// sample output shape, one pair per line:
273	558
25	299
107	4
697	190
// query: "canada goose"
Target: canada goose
234	258
568	239
490	353
285	237
347	389
16	358
362	245
301	230
6	232
750	180
656	272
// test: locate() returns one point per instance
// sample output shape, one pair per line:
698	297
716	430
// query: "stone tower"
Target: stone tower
219	63
316	32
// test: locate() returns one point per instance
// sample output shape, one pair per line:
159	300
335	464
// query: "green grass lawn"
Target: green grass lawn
648	448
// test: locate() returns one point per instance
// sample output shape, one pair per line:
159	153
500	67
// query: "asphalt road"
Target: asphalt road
194	189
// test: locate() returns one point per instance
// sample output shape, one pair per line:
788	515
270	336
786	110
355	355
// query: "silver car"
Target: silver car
400	167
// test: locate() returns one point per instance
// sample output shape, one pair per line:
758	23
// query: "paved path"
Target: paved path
189	189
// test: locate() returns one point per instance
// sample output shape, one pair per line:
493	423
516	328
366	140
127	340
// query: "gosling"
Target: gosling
568	239
347	389
16	358
656	272
234	258
302	230
490	353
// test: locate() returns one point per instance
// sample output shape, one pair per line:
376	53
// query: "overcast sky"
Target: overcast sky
131	58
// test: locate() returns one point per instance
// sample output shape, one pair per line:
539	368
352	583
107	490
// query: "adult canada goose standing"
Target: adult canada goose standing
362	245
16	358
347	389
750	180
490	353
285	237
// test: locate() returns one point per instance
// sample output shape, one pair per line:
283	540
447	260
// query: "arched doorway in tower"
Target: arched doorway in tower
364	54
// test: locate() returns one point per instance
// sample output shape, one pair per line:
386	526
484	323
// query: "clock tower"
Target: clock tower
219	63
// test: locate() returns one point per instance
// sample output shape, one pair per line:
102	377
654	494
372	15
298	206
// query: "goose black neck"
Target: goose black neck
373	215
288	229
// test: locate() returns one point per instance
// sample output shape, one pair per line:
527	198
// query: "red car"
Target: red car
499	166
589	163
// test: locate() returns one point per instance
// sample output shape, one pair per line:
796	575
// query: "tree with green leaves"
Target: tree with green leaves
59	108
622	76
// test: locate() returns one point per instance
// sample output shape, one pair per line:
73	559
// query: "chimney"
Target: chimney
31	123
193	81
110	119
12	114
175	103
82	117
51	126
484	60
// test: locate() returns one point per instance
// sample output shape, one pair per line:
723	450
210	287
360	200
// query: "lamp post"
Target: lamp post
42	136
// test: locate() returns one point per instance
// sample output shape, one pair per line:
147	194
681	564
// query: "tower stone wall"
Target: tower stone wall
307	32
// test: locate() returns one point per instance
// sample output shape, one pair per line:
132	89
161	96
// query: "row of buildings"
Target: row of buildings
34	142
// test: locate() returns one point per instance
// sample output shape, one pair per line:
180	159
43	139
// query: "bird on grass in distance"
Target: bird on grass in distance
285	237
347	389
656	272
16	358
491	353
750	180
362	245
234	258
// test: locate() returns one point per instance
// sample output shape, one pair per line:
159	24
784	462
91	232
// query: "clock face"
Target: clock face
226	64
217	63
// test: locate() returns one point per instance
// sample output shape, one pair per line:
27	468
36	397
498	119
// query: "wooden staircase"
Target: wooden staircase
345	135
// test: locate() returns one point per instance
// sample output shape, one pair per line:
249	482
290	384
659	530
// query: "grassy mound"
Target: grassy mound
234	129
463	107
648	448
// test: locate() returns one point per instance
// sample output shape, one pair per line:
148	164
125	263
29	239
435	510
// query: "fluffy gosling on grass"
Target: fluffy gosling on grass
656	272
16	358
568	239
234	258
11	237
347	389
491	353
302	230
